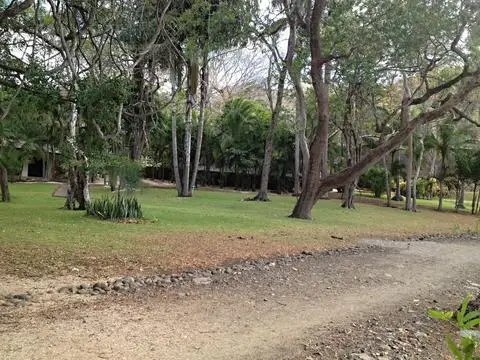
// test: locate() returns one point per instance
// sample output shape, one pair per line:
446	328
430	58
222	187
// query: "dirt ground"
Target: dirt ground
364	303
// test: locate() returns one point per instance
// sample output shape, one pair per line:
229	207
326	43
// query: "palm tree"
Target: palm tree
443	142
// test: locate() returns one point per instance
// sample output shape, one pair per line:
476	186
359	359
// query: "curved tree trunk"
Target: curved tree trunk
204	82
4	184
319	148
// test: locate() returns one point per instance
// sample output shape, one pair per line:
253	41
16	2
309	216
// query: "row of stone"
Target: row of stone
197	277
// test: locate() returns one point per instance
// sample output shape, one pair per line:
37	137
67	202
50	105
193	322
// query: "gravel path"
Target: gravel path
363	303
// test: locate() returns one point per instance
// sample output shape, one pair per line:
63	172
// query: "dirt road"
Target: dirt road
300	310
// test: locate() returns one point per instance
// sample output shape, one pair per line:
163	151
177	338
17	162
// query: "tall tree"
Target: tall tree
467	78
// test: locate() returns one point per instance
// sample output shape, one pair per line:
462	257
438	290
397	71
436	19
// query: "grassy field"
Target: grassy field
38	237
448	203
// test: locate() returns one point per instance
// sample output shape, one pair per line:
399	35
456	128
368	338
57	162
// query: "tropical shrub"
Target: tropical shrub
117	207
374	179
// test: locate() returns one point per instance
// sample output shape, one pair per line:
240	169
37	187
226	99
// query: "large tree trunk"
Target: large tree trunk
78	194
319	147
204	82
174	78
4	184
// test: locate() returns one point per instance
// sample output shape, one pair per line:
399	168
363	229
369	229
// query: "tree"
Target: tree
443	143
467	79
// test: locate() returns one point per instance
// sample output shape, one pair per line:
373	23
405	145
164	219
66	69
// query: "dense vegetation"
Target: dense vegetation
301	96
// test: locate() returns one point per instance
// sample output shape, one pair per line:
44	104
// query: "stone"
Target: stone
67	289
82	291
361	357
202	281
128	280
84	287
23	297
100	285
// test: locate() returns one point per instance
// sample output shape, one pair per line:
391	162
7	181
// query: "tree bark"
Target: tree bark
461	198
406	118
262	194
474	198
4	184
387	181
174	78
78	194
204	82
417	174
308	198
187	146
300	104
440	197
296	176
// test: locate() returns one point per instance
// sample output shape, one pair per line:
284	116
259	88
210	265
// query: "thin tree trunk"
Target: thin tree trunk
440	197
175	85
300	104
433	163
262	194
387	181
204	82
296	176
187	146
406	118
461	198
4	184
474	199
417	174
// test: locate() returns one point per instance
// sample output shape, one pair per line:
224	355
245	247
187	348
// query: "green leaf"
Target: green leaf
440	315
454	349
471	315
463	310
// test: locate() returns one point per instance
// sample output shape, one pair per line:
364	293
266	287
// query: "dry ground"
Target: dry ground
326	306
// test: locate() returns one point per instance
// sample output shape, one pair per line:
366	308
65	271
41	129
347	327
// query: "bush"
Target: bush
117	207
374	179
467	322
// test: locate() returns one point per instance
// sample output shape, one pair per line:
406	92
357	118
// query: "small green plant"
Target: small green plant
117	207
468	323
374	179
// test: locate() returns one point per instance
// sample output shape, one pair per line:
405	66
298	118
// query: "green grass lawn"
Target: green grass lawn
448	203
38	237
